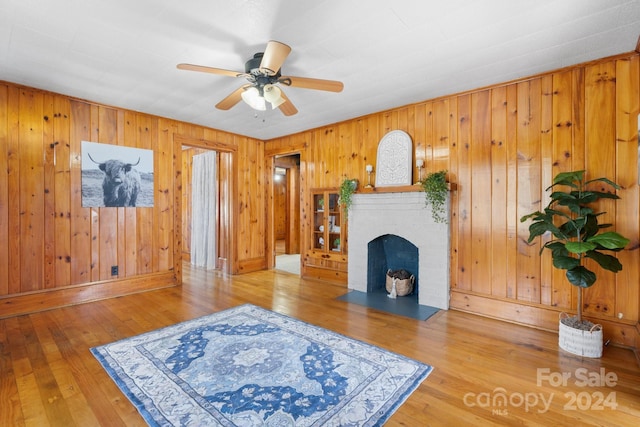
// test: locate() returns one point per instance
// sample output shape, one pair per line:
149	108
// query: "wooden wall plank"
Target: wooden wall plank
247	184
529	188
94	212
130	215
187	163
411	130
251	234
163	198
600	146
227	168
430	165
481	192
62	184
176	177
81	249
259	202
345	155
499	200
370	139
387	123
463	278
440	137
293	205
627	216
154	213
107	243
4	189
48	138
579	132
358	149
121	247
454	204
546	175
32	191
563	97
420	137
328	156
144	216
511	215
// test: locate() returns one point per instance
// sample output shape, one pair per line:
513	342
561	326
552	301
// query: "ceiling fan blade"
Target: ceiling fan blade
317	84
274	56
211	70
232	99
287	107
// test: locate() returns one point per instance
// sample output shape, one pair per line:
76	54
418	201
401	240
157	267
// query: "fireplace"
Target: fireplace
377	218
391	252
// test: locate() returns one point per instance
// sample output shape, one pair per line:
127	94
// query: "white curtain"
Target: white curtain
203	212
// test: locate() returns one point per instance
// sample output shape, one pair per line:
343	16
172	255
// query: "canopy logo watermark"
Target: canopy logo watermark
593	398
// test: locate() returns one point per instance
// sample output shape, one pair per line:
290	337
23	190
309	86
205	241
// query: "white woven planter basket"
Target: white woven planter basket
577	341
403	286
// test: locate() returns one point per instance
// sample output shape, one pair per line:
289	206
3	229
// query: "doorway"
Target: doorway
223	243
286	213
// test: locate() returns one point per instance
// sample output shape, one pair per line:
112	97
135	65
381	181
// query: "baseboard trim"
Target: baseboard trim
540	317
19	305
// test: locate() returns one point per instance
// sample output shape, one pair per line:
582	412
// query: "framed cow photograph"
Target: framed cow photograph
116	176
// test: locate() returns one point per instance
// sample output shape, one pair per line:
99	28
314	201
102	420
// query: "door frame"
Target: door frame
271	159
226	201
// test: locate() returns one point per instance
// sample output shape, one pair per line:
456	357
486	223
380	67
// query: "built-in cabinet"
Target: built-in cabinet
328	229
326	256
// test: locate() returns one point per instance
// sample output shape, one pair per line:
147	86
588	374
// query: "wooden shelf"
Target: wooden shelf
400	189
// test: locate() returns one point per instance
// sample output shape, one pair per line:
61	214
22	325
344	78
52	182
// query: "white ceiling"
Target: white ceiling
388	53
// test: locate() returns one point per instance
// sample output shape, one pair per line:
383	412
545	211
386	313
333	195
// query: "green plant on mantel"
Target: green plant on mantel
435	189
347	188
576	232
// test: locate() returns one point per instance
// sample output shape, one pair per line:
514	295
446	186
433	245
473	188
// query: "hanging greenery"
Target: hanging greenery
435	189
347	188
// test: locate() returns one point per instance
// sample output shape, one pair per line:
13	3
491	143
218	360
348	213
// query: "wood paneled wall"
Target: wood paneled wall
502	146
49	239
50	243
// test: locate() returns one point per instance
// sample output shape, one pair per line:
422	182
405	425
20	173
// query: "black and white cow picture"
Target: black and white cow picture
121	183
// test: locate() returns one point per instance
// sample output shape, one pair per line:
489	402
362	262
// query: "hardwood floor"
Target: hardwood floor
49	377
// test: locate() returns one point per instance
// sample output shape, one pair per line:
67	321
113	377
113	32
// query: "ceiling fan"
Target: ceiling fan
263	74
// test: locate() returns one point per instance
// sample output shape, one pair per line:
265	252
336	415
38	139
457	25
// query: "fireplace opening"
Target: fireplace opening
391	252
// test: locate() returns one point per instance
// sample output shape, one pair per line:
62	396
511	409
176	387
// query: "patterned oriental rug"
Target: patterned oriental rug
248	366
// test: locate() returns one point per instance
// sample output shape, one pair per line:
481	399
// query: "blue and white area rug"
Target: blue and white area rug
248	366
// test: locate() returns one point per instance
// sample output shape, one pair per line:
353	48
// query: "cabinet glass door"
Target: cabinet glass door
334	223
319	238
327	222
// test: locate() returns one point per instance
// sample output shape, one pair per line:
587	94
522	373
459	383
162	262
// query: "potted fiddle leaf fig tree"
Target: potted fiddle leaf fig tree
576	235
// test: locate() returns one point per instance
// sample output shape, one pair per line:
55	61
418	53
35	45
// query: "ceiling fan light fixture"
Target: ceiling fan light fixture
252	97
273	94
263	72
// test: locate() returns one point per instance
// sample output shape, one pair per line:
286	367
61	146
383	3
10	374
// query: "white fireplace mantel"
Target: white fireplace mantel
402	214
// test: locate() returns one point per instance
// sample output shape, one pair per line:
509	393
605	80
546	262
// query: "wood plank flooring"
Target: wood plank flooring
486	372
